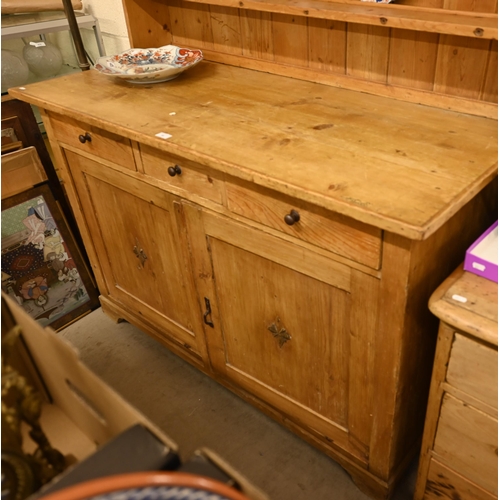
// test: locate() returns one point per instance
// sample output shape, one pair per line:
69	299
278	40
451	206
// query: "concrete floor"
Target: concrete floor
197	412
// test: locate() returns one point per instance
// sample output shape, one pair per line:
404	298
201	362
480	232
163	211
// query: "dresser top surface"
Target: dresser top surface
469	303
403	167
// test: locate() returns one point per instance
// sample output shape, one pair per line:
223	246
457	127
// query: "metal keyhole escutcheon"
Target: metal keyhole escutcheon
279	332
140	254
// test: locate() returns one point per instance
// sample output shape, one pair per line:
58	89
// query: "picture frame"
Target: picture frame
42	268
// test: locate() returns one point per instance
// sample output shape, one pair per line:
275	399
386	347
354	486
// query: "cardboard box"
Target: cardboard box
80	413
482	256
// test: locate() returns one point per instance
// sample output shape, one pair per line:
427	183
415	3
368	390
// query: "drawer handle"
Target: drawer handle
84	138
292	217
175	170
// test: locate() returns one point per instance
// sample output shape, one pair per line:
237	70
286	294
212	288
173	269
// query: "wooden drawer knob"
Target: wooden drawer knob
292	217
175	170
84	138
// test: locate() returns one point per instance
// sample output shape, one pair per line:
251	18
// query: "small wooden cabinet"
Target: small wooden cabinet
459	456
289	255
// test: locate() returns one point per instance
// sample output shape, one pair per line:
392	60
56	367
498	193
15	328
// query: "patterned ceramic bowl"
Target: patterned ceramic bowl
149	65
151	485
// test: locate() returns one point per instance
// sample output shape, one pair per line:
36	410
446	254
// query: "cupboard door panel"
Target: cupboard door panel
281	337
283	329
141	251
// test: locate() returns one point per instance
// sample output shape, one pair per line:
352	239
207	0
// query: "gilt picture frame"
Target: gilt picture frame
42	268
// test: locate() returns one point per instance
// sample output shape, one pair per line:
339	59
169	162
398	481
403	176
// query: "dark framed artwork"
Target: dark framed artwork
42	269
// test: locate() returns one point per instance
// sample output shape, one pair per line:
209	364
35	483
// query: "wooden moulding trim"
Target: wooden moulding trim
469	24
470	106
487	330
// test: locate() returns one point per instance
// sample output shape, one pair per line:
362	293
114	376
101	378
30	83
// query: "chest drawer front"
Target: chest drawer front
473	368
94	140
186	175
444	484
354	240
467	442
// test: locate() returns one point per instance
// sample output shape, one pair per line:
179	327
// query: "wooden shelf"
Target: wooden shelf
470	24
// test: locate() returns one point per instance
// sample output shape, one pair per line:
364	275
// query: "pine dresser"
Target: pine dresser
284	234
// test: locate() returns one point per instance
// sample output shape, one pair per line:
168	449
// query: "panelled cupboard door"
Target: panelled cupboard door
137	233
282	328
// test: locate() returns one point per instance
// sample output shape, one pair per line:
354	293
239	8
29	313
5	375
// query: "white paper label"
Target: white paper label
459	298
479	267
163	135
38	44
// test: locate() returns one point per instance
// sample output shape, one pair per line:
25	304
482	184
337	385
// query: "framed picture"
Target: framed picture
42	269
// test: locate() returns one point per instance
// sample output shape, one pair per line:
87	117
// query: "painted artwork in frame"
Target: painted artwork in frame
42	269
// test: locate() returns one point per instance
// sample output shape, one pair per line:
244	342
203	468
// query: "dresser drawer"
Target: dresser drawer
466	442
473	368
96	141
181	174
445	484
354	240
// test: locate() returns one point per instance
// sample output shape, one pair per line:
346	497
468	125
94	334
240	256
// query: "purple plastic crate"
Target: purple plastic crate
482	256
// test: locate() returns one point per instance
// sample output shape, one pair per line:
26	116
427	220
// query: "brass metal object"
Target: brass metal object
22	403
139	253
279	332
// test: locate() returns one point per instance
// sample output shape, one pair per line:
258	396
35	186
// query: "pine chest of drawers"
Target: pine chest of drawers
460	448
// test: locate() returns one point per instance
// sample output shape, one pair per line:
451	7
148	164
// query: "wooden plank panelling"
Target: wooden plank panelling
461	66
448	71
226	29
148	23
413	58
290	39
367	52
192	24
435	4
257	34
490	88
327	45
472	5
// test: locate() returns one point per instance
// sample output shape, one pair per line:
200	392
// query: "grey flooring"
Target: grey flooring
196	412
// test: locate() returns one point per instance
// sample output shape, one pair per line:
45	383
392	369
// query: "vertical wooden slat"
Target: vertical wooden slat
367	52
445	340
412	60
225	23
387	347
327	45
461	66
177	22
364	291
290	39
490	87
192	24
256	34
